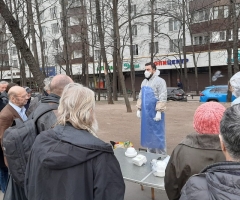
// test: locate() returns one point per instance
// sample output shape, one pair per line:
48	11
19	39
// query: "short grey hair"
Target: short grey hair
230	131
47	82
3	82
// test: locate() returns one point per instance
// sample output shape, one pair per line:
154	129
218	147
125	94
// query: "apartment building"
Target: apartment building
206	22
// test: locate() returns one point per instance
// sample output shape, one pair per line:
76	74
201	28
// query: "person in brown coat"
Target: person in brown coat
197	150
14	109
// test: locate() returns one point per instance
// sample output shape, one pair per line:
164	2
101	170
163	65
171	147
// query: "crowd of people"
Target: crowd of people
68	161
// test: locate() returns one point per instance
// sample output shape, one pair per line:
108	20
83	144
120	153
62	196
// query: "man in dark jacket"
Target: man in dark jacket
49	119
197	150
220	180
69	162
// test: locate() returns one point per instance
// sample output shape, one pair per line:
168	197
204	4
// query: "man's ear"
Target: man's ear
222	143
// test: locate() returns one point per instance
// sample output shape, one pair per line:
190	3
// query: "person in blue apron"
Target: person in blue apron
151	105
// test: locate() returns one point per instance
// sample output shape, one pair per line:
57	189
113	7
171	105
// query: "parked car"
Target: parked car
175	94
215	93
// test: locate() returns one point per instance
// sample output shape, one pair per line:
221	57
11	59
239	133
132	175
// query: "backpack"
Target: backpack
17	143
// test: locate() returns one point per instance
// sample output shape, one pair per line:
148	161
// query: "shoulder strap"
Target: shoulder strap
46	109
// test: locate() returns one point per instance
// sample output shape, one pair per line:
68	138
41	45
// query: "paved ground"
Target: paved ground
118	125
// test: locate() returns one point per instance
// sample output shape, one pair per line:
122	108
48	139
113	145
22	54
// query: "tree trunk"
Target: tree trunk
103	52
131	51
235	37
184	45
119	61
92	44
115	89
32	31
229	52
152	29
65	36
21	44
40	37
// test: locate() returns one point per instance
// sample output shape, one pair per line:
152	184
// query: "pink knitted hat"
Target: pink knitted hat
207	118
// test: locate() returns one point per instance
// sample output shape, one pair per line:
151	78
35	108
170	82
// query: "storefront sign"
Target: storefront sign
50	71
102	68
169	62
127	66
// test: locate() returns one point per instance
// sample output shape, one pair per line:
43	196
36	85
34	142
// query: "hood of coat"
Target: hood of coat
223	180
202	141
50	98
65	147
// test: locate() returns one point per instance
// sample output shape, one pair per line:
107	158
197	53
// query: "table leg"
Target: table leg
141	187
152	191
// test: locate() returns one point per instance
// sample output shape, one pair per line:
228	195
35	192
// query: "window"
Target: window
96	37
14	51
77	54
206	39
155	47
172	5
14	63
133	10
222	35
43	30
112	32
149	6
55	28
174	24
175	45
155	24
97	54
46	59
42	15
134	29
200	40
6	63
56	43
202	15
44	45
53	12
218	36
220	12
237	9
135	49
20	21
75	38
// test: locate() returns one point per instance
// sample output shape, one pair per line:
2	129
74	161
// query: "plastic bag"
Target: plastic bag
159	166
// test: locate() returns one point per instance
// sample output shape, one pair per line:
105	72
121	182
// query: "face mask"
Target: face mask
147	74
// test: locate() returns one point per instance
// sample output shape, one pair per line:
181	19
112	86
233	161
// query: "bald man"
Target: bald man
49	119
18	97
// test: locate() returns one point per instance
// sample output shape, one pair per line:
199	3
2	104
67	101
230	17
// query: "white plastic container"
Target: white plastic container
139	160
159	166
130	152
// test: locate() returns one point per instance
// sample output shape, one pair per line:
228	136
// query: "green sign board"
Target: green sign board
127	66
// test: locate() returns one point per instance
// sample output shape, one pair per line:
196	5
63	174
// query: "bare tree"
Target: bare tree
119	61
20	43
65	36
235	35
103	52
131	51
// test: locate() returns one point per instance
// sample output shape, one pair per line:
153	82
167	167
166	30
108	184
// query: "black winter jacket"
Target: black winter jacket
218	181
49	119
70	164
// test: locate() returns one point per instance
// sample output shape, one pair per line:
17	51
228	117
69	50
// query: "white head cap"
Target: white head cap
235	83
